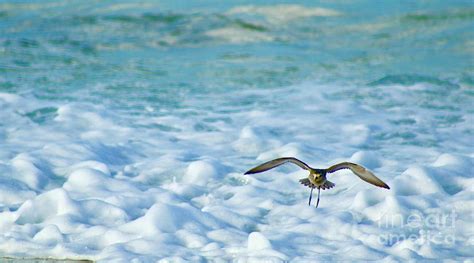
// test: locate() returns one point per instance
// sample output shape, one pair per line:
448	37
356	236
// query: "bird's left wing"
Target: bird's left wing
277	162
360	171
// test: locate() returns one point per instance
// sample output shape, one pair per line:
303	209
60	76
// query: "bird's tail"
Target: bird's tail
326	185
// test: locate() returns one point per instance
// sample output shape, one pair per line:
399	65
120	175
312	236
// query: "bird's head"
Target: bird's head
318	173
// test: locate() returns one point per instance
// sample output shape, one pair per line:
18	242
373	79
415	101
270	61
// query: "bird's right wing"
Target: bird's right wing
277	162
360	171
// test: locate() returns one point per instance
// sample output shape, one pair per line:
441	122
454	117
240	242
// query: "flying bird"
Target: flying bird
317	177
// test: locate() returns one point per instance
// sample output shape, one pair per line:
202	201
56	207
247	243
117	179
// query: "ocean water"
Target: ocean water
125	128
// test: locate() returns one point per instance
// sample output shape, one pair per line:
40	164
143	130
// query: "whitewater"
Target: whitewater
125	130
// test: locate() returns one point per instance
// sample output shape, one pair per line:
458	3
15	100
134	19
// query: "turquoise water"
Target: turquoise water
85	51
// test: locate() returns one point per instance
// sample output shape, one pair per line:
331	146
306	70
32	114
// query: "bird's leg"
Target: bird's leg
310	196
317	202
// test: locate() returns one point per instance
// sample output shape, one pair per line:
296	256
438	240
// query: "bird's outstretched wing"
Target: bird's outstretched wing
360	171
277	162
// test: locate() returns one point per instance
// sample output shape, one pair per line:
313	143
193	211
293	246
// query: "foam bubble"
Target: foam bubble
200	173
257	241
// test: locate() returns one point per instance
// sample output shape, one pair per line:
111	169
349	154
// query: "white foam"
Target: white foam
91	183
9	98
49	235
257	241
368	159
356	134
29	172
415	181
47	205
284	13
200	173
239	35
